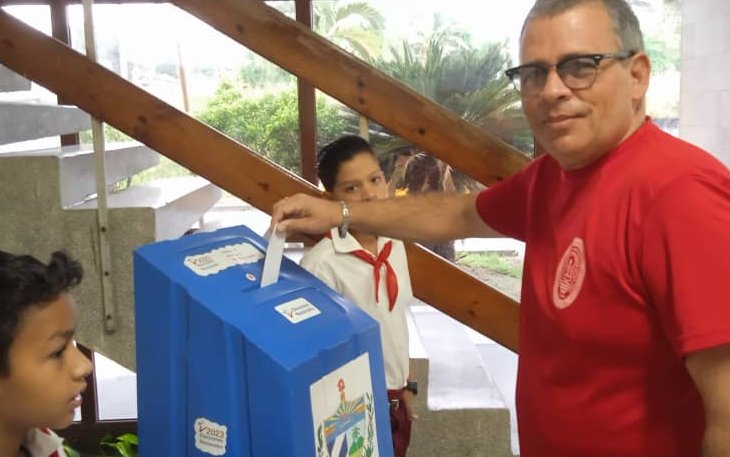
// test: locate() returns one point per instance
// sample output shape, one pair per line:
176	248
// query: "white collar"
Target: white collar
43	443
349	243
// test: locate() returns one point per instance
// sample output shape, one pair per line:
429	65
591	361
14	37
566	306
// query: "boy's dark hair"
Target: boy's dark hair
26	282
333	154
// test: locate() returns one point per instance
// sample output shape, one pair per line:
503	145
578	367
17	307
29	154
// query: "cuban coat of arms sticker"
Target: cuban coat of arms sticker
343	412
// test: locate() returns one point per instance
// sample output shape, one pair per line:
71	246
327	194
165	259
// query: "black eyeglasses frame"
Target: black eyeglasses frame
513	73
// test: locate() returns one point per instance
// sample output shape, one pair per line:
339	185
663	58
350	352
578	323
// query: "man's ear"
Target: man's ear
640	74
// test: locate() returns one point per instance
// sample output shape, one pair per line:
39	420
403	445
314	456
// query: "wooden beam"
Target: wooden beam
89	410
464	297
307	107
75	2
112	99
233	167
361	87
60	31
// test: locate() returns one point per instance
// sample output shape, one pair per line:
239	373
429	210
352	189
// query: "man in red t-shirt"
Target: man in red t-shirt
625	315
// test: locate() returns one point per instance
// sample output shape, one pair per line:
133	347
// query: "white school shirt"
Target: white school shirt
43	443
330	260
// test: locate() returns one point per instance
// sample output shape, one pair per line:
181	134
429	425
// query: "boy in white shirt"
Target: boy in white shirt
370	271
42	373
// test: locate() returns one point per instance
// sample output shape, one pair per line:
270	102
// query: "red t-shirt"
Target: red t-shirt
626	271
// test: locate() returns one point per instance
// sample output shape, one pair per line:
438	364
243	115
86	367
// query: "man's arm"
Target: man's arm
429	217
710	369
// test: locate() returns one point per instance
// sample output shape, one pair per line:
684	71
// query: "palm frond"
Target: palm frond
368	16
356	27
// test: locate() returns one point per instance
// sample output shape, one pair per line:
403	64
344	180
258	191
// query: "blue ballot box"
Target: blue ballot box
227	368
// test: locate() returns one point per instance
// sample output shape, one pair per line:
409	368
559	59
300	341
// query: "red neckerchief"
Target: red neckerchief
382	259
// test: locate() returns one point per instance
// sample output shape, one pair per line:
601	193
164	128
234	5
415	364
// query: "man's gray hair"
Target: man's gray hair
625	24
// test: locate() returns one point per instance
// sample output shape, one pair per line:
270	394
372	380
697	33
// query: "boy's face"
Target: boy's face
46	371
360	179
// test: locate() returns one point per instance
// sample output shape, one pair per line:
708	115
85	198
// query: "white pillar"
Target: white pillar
705	87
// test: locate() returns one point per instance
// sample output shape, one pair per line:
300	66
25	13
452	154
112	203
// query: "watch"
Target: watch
412	386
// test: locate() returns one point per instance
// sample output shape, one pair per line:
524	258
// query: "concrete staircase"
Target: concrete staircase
461	410
11	81
47	202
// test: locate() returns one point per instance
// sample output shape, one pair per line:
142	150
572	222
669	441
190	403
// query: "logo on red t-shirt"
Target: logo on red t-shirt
569	275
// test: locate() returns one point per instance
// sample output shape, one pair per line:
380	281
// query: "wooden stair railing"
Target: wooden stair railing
360	86
240	171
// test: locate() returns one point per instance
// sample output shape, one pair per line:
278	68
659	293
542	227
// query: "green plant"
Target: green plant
466	80
110	135
70	452
356	27
122	446
269	123
493	262
165	169
664	55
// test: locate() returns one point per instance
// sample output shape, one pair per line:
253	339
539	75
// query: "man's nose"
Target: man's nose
554	87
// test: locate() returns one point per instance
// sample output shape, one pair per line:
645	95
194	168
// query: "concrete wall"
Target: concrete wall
705	86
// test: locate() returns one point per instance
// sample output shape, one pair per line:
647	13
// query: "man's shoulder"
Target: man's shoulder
662	158
660	144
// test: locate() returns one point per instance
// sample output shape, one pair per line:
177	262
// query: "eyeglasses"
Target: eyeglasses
576	72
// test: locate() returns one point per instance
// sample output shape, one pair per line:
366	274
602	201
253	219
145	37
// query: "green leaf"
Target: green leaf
122	446
70	452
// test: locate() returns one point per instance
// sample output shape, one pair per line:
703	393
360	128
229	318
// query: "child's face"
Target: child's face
359	179
47	372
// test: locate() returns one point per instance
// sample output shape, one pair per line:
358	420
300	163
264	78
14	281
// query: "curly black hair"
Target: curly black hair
25	282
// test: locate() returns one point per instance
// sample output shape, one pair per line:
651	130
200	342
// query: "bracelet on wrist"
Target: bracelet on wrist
342	229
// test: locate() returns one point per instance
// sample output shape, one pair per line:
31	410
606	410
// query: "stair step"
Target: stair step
77	166
501	363
464	413
177	203
26	121
11	81
457	379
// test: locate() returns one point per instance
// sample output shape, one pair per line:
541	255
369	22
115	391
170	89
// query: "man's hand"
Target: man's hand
302	213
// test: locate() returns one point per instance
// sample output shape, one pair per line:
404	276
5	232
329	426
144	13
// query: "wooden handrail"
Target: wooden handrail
358	85
230	165
72	2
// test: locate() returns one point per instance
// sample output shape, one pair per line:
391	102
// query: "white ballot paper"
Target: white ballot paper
272	262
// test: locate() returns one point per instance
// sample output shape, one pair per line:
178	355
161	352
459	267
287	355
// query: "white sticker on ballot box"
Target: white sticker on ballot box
210	437
217	260
297	310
